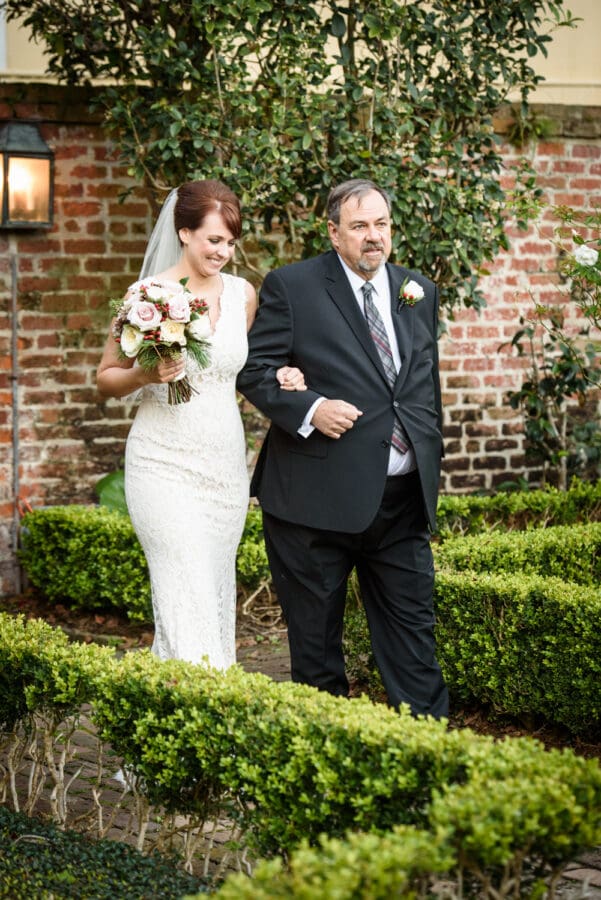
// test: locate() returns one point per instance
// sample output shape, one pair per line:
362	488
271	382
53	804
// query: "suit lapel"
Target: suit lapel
403	322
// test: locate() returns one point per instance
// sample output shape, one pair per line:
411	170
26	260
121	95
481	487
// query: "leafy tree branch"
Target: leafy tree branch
282	99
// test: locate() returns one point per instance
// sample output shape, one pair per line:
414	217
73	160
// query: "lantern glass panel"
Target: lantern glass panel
28	185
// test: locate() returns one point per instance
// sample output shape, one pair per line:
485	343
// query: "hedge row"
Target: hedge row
90	558
290	763
521	645
569	552
524	645
471	514
522	640
402	863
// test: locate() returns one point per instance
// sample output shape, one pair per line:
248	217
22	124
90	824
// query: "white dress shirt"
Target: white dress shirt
398	463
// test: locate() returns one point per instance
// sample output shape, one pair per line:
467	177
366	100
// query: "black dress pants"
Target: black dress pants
310	568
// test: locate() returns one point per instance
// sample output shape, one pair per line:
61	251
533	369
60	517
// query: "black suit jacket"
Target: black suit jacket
308	317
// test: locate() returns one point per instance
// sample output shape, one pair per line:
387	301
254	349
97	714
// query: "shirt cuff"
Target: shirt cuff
306	428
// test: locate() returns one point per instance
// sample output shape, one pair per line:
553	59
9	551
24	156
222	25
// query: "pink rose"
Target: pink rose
179	308
145	316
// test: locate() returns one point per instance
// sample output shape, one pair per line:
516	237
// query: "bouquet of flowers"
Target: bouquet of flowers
156	322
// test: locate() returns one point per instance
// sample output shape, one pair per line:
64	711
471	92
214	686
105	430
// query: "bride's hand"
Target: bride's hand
167	370
291	379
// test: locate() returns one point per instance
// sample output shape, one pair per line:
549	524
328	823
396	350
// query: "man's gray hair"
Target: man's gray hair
355	187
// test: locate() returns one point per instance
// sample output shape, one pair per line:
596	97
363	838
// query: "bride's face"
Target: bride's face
209	247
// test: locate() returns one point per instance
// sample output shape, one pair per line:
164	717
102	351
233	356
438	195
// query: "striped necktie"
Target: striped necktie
376	328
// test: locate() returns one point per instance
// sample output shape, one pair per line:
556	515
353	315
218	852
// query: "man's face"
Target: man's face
363	237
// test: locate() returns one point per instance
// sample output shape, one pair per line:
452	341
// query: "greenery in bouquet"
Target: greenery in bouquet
158	321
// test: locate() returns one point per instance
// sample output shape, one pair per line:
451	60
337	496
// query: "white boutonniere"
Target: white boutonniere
410	293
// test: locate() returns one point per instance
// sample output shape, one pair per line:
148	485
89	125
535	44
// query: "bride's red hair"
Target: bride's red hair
196	199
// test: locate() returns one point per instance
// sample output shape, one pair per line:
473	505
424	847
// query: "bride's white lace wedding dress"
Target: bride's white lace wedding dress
186	486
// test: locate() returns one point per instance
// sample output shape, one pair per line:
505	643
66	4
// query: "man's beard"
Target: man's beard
365	265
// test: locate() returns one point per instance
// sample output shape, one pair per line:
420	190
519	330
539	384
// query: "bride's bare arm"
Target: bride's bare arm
117	377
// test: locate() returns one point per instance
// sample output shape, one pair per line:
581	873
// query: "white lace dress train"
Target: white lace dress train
186	486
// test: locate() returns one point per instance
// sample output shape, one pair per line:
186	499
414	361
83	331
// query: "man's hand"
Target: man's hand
334	417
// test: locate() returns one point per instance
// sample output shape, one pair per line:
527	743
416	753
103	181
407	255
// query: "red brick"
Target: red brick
548	148
88	172
588	151
586	184
568	166
82	210
84	247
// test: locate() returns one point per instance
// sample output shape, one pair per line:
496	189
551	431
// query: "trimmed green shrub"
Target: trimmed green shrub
569	552
289	763
42	671
88	557
302	763
523	645
252	565
519	509
38	860
397	864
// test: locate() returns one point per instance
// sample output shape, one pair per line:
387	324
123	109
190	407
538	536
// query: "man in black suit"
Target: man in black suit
349	471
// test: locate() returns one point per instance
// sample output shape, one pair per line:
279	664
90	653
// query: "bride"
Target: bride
186	478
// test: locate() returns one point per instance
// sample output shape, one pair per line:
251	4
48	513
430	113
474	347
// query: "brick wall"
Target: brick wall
484	436
68	437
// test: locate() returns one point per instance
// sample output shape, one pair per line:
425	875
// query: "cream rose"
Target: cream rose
173	332
586	256
131	340
145	316
199	328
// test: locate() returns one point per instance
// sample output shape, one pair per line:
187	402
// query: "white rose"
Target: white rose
131	340
154	292
199	329
145	316
586	256
173	332
413	291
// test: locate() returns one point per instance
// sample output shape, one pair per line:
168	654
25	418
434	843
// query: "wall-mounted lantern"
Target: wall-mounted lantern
26	178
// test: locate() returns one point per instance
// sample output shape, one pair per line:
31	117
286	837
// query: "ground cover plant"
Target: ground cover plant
39	860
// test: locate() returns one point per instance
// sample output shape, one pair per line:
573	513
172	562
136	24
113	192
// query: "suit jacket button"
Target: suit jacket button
385	444
396	404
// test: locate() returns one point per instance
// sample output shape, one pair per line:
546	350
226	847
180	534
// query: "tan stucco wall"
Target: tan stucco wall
572	70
